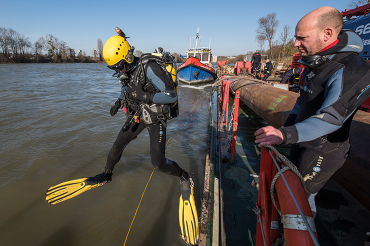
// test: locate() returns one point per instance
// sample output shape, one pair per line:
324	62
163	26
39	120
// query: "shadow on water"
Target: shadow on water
195	120
194	170
28	208
159	228
32	206
61	237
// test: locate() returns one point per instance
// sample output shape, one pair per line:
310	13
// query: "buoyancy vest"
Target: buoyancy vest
154	113
354	82
334	84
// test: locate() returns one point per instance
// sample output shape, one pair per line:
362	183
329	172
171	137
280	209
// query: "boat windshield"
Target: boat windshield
205	57
190	54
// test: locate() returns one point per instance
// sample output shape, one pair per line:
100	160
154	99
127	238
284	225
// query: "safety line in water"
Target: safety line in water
149	181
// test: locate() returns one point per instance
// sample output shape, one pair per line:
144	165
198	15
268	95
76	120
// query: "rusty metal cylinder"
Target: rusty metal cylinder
272	104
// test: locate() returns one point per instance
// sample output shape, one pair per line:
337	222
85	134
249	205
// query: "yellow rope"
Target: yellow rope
148	184
138	207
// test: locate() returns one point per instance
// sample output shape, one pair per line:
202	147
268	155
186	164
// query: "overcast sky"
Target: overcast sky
230	25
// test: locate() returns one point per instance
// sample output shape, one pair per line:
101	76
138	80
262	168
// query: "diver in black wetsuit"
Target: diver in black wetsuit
150	98
335	83
145	86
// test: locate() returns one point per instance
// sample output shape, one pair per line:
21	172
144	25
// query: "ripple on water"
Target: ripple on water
55	126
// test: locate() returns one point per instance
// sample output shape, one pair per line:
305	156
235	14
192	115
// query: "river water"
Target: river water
55	126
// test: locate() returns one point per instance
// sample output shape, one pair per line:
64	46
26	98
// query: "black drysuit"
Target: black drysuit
267	70
334	84
162	81
256	62
292	77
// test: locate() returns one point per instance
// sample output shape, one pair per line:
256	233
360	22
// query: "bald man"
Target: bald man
334	84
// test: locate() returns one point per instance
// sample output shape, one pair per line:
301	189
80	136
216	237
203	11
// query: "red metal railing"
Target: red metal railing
268	211
224	101
235	124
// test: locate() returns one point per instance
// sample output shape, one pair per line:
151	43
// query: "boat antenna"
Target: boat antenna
196	39
190	44
209	47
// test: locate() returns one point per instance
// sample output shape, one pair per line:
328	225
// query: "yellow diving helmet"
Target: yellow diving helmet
117	49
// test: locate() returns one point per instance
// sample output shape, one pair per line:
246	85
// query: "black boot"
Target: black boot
186	183
101	178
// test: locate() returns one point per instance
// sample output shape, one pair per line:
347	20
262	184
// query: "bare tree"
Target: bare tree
4	41
261	41
51	44
100	49
138	53
356	3
12	41
267	28
63	49
14	45
38	46
95	55
285	37
177	58
289	48
24	44
72	53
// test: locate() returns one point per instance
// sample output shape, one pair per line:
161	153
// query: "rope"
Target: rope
279	241
296	203
289	165
138	206
149	181
229	134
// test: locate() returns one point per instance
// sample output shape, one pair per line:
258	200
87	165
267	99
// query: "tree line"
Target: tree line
266	32
16	47
282	47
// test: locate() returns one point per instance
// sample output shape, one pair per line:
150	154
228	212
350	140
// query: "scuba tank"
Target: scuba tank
155	113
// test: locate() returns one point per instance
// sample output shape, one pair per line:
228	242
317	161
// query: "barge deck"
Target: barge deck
231	189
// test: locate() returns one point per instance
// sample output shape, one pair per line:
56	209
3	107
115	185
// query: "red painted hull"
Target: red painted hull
192	61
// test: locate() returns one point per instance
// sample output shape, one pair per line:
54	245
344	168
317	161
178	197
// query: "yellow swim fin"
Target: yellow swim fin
188	216
70	189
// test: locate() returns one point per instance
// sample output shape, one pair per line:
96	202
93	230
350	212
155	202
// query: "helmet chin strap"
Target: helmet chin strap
131	67
130	54
125	70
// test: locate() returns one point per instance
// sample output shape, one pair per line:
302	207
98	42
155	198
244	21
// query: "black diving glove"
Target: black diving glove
114	109
101	178
137	93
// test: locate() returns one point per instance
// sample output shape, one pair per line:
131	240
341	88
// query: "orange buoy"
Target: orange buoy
295	230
